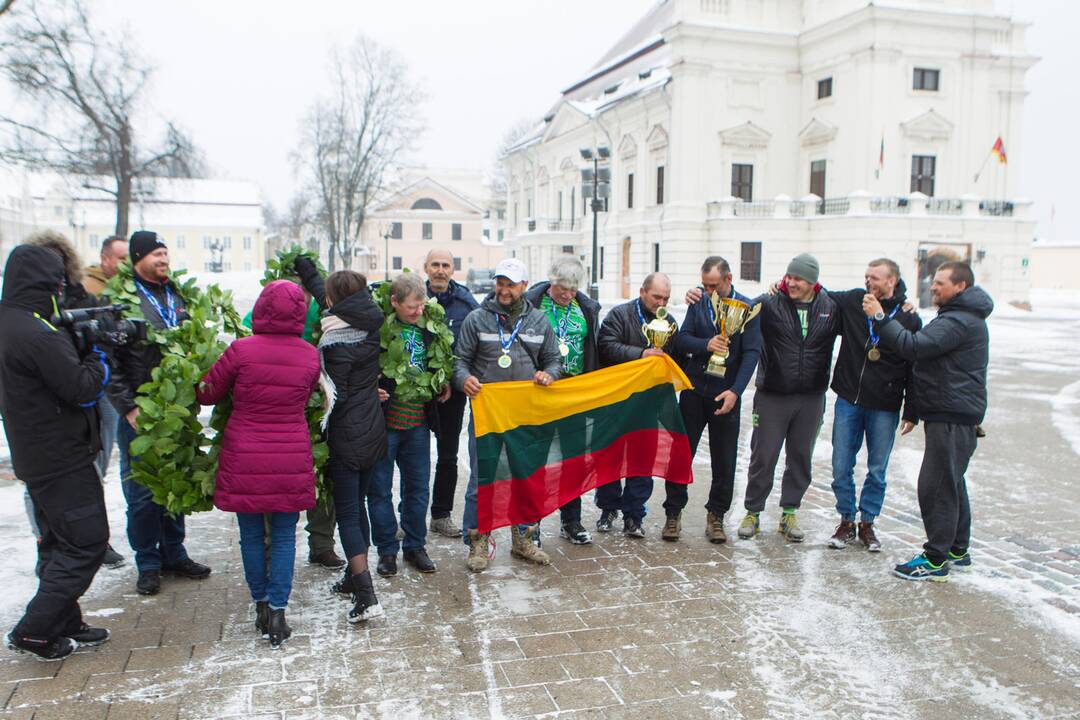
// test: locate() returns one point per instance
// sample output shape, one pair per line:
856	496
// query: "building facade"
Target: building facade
208	225
758	129
449	209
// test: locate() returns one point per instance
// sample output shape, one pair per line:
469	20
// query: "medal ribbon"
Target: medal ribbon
513	335
414	345
874	338
562	326
168	313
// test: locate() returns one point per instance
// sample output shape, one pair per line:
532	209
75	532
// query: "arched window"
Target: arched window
426	204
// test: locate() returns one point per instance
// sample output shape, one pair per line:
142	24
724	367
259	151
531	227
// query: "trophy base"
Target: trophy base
716	366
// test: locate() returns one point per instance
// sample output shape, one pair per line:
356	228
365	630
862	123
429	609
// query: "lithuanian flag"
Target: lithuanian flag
538	448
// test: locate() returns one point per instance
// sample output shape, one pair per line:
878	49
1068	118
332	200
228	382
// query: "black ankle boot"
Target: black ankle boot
344	586
262	618
279	630
365	604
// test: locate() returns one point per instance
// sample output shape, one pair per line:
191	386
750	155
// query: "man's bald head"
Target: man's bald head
439	267
655	291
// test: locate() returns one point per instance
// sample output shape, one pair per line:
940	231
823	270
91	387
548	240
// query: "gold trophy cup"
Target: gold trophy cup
731	318
660	329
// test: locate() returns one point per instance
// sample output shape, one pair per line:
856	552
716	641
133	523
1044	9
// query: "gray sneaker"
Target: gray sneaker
748	528
445	527
789	528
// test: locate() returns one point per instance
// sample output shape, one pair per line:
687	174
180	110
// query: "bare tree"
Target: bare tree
83	90
352	141
522	127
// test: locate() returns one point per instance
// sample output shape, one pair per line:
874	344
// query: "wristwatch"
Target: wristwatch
879	316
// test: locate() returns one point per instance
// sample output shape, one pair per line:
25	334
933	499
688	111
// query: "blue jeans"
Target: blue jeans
630	499
850	424
272	583
469	515
156	537
350	492
411	450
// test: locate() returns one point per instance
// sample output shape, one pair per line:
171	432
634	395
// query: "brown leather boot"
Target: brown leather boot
868	537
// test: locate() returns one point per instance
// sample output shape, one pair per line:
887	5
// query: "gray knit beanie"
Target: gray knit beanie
804	266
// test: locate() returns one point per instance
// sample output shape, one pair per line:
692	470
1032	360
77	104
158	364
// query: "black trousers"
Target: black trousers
451	416
697	414
70	510
943	497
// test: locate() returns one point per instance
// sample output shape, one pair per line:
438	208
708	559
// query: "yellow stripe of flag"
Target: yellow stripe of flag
501	407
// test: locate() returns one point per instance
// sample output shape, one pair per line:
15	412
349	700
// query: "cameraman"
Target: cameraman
77	295
156	537
48	397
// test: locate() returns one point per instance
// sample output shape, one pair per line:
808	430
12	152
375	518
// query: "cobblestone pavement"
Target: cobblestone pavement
641	628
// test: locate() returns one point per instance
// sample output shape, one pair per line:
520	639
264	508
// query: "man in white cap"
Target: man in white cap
504	340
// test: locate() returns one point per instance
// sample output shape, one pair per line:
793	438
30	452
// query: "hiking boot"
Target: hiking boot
920	568
749	526
631	527
714	528
112	559
387	566
960	562
607	519
419	559
522	545
445	527
149	582
365	605
44	650
789	528
262	618
576	533
478	551
845	533
86	636
343	586
327	559
279	631
672	528
187	568
868	537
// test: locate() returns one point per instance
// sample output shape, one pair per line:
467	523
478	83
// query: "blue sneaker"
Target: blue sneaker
920	568
960	562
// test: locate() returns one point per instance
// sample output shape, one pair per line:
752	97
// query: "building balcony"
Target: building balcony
550	231
861	203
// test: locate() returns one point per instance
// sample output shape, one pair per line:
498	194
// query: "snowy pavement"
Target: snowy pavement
639	629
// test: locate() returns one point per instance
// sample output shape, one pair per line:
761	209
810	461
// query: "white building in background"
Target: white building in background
207	224
758	129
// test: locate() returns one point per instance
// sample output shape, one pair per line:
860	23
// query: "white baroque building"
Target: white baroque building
758	129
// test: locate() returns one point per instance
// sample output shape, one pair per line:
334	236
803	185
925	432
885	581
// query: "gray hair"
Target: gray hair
407	285
567	271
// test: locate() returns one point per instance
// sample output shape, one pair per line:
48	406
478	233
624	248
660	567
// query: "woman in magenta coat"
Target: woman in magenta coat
266	464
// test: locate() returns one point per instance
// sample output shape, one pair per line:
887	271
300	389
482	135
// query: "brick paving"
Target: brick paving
629	628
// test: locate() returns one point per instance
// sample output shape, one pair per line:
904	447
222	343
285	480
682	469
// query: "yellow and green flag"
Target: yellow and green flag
538	448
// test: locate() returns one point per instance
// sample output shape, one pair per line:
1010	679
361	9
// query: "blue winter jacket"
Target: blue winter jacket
692	341
458	302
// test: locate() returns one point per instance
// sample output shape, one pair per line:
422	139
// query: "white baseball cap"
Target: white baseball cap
512	269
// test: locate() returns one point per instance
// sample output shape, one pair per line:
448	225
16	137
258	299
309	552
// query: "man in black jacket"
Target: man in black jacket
714	402
48	397
621	339
951	355
871	385
458	303
575	318
156	537
799	326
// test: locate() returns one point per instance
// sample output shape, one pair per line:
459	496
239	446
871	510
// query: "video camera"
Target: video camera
100	326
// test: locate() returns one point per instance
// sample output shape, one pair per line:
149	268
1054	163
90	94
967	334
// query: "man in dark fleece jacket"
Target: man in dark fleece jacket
871	385
714	402
951	355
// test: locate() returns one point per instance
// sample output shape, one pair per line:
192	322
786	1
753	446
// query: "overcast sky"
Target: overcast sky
238	74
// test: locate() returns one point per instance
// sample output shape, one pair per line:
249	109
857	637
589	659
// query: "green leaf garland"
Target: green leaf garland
413	384
176	460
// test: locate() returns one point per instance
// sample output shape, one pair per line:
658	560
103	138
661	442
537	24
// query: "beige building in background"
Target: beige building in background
207	224
430	212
